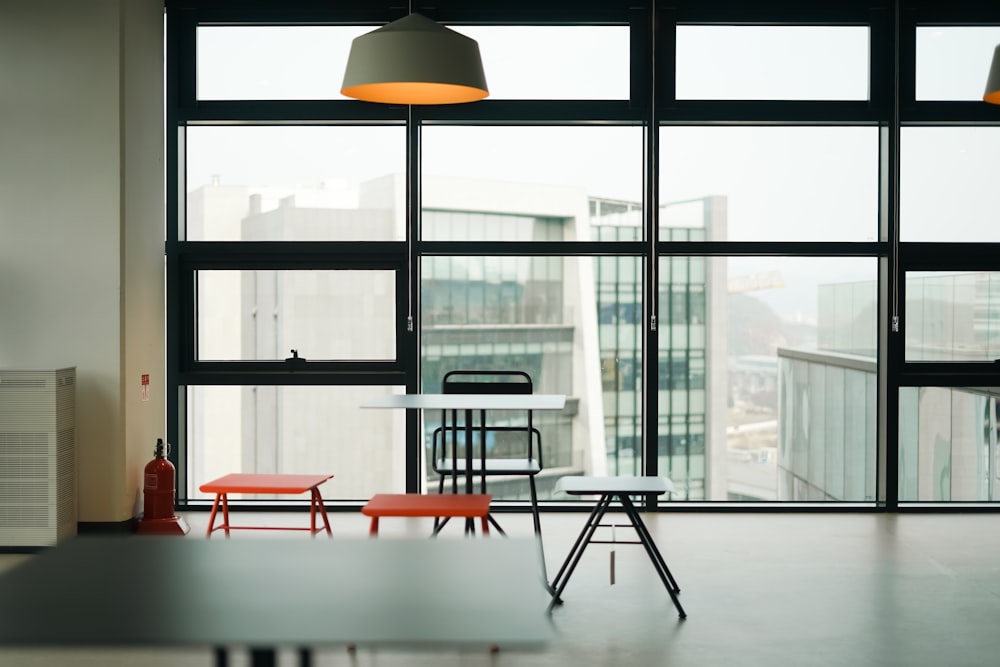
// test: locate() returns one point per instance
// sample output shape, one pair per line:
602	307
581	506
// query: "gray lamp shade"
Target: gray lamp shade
992	94
414	61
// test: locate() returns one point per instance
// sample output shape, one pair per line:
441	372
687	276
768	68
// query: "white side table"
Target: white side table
610	489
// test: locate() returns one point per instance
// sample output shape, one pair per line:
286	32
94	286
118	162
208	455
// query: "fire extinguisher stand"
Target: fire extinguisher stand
158	516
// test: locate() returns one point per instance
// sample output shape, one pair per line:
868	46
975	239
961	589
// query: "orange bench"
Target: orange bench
268	484
468	505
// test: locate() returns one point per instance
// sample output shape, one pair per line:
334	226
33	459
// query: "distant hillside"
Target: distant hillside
755	329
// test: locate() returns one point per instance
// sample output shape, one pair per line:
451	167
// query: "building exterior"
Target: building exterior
692	325
948	436
799	426
948	448
572	322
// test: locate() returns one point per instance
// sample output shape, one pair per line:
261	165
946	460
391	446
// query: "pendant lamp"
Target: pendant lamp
414	60
992	94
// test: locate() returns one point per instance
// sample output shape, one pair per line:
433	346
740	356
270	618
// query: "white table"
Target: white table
270	594
609	489
468	403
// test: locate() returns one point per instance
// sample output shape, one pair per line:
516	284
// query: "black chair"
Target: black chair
516	450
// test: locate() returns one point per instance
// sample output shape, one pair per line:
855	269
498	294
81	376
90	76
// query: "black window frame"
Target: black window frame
652	104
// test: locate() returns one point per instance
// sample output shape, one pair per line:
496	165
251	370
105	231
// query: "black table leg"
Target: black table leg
260	657
653	552
263	657
562	577
586	536
268	657
470	524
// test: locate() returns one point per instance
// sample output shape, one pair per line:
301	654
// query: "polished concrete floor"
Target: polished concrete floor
760	589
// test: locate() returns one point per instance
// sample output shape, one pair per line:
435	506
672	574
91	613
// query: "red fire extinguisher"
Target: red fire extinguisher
158	496
158	489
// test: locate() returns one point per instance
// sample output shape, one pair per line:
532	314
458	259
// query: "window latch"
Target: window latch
295	358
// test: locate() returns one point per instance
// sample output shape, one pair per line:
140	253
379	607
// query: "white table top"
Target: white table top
585	485
469	401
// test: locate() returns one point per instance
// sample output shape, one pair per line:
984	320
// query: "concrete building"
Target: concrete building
571	322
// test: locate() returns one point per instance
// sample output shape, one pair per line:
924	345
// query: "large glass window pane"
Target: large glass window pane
777	183
727	363
527	183
729	62
620	310
954	61
952	316
826	433
948	181
251	315
687	293
948	444
282	429
533	314
769	376
307	62
554	62
273	62
302	183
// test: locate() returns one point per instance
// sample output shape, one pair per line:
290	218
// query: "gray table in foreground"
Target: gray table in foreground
277	593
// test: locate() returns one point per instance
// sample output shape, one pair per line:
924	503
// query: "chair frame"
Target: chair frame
454	466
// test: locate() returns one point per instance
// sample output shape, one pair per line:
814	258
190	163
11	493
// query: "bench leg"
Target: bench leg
470	526
496	525
211	517
225	512
373	527
312	513
316	503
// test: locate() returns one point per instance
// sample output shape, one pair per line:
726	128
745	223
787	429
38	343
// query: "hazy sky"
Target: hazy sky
782	183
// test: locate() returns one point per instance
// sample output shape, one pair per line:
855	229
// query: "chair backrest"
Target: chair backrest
486	382
491	382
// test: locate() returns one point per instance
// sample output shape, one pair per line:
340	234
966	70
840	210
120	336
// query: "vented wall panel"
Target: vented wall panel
37	457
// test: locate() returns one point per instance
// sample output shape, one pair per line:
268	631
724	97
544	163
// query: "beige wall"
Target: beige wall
81	224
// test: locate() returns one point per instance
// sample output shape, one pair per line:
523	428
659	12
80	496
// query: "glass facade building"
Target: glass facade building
948	437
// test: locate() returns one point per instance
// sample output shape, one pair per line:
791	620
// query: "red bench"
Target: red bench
267	484
468	505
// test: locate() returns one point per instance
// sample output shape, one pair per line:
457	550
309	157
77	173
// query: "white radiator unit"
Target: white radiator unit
37	457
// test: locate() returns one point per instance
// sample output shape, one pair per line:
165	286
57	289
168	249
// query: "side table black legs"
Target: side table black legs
611	489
